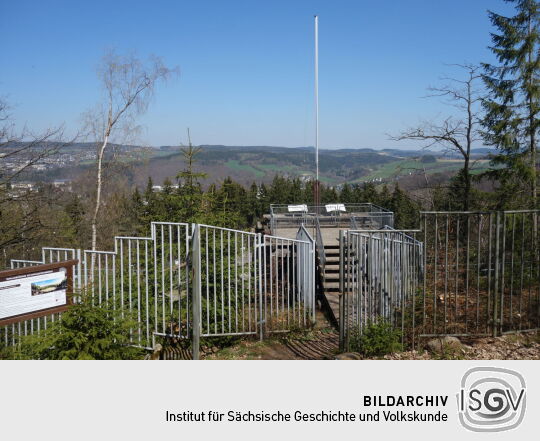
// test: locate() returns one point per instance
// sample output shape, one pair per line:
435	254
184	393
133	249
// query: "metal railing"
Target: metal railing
365	215
21	263
379	274
366	207
460	274
320	245
188	281
482	273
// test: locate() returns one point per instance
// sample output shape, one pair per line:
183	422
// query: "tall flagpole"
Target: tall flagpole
317	197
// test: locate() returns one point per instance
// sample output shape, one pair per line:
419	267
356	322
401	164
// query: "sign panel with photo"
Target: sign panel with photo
33	289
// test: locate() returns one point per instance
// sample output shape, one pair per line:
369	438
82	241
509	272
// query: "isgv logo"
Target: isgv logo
491	399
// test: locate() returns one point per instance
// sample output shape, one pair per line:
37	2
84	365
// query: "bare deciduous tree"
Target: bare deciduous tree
21	152
129	85
456	134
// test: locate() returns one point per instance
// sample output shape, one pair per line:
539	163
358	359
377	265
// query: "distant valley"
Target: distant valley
247	164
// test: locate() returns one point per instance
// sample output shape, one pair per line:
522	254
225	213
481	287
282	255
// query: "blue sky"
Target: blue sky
246	67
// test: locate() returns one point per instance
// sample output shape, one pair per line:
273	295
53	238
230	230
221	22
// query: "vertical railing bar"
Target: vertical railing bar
263	295
207	281
196	295
467	258
99	278
154	253
147	314
179	265
446	274
214	278
289	283
425	274
139	330
236	281
162	291
531	279
243	285
189	266
107	277
503	257
121	276
222	284
489	272
229	277
522	265
249	281
271	278
435	266
170	277
512	272
456	282
130	251
478	262
282	279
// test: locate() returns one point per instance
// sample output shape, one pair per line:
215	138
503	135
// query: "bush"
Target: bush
377	339
85	332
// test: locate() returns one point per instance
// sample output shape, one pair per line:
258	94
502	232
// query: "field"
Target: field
408	166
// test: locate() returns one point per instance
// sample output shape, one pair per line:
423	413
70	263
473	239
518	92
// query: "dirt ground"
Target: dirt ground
508	347
323	345
319	344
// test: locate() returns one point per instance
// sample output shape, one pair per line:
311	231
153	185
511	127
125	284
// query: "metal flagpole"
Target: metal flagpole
317	197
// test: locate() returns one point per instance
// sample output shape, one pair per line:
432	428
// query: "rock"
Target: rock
156	352
440	343
349	356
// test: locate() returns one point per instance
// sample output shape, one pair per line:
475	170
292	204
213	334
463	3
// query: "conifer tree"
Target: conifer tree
512	107
405	209
189	187
346	194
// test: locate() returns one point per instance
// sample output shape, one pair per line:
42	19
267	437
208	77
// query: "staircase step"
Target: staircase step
332	247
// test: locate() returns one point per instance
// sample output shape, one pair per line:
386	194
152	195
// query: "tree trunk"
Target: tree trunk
99	182
532	129
467	177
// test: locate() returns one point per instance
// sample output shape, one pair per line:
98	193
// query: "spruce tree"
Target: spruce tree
346	194
189	187
512	106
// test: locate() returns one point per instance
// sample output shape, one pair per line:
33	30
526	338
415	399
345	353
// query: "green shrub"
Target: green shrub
84	332
376	339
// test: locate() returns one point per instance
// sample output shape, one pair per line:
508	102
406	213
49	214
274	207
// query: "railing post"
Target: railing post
196	292
496	289
312	280
342	290
261	297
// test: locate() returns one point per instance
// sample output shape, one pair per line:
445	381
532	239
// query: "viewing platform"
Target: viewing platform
327	219
323	223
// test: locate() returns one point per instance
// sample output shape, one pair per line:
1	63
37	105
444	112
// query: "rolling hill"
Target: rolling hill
247	164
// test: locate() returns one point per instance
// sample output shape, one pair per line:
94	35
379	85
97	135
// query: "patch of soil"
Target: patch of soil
508	347
321	344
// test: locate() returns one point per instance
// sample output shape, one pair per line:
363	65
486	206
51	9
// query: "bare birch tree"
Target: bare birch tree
456	134
129	85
